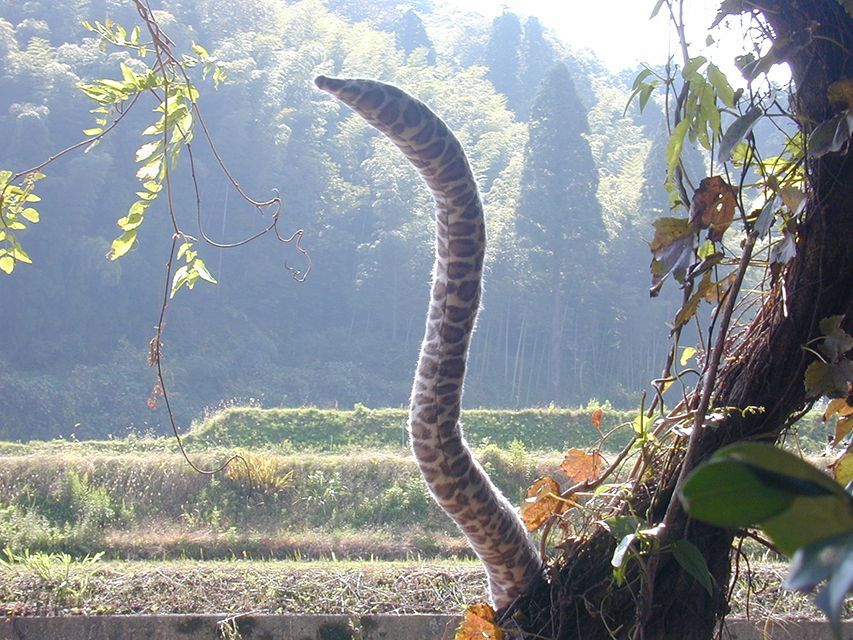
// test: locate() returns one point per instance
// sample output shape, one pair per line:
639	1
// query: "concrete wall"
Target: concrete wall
272	627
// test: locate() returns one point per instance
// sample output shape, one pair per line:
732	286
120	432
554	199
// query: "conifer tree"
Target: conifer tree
503	58
559	219
411	34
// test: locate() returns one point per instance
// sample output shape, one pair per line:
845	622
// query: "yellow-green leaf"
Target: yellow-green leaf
122	244
7	264
30	214
674	146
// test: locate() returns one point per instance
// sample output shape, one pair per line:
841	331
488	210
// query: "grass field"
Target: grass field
127	526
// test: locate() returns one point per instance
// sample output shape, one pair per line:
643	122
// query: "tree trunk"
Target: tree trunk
765	369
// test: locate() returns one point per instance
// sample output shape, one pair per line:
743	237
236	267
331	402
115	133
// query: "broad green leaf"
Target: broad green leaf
807	520
7	264
727	493
765	217
721	85
708	110
93	132
836	341
692	67
19	254
151	169
621	526
201	270
122	244
737	131
693	562
778	461
641	424
147	150
675	145
30	214
181	278
645	94
827	378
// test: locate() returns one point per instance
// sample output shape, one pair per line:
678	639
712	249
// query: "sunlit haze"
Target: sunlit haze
619	32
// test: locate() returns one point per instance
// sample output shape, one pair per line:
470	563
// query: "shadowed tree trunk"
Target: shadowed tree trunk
765	369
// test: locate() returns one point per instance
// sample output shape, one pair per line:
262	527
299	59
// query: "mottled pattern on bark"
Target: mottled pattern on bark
455	479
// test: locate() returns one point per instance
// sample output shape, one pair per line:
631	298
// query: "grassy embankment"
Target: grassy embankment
310	484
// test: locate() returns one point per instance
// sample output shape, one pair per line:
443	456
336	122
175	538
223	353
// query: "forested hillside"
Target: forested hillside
570	185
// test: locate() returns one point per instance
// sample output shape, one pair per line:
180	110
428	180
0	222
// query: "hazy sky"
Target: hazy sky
618	31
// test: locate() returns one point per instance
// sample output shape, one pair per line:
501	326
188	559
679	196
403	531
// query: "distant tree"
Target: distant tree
537	56
503	58
559	217
411	34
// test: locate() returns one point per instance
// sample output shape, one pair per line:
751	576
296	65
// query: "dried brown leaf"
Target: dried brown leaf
581	466
478	623
596	417
542	501
713	207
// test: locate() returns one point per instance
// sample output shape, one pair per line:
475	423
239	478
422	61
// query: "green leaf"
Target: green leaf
201	270
831	135
836	341
737	131
807	520
727	493
151	170
657	7
7	264
147	150
621	526
765	218
693	66
721	85
641	425
827	379
181	278
686	355
122	244
674	146
693	562
779	461
200	51
19	254
93	132
30	214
